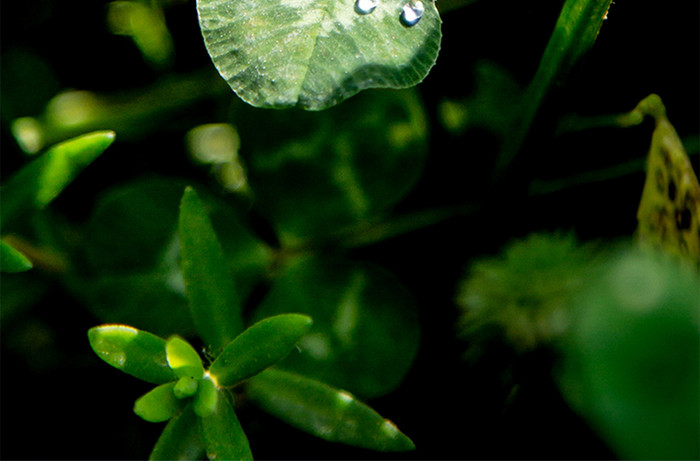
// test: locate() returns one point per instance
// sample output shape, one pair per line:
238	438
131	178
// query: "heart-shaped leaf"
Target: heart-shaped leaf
365	332
316	53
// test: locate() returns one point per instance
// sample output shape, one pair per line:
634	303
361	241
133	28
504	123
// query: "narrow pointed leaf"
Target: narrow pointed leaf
37	184
325	412
206	398
181	438
214	303
133	351
260	346
11	260
183	359
158	405
315	54
574	34
222	433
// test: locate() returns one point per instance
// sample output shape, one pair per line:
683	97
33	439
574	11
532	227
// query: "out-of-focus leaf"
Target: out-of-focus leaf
222	433
631	358
325	412
314	55
260	346
133	351
493	106
131	256
145	24
38	183
365	332
669	211
28	81
11	260
324	171
574	34
214	303
19	293
181	439
131	113
159	404
121	299
183	359
132	226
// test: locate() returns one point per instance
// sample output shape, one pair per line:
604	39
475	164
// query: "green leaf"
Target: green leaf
206	398
183	359
132	255
133	351
325	412
181	439
121	299
185	387
214	303
260	346
315	54
631	357
574	34
132	226
158	405
145	24
365	333
336	168
38	183
11	260
222	433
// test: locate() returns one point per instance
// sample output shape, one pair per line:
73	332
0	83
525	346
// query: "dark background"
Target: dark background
67	405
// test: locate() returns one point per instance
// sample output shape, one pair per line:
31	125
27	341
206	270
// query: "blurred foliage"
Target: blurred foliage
506	159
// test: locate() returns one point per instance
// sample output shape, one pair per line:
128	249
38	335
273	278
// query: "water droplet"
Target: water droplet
365	6
412	12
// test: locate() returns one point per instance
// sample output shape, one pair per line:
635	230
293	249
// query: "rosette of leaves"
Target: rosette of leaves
198	402
326	182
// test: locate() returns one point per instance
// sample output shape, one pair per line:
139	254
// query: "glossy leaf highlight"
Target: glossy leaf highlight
133	351
183	359
214	303
260	346
38	183
325	412
12	260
